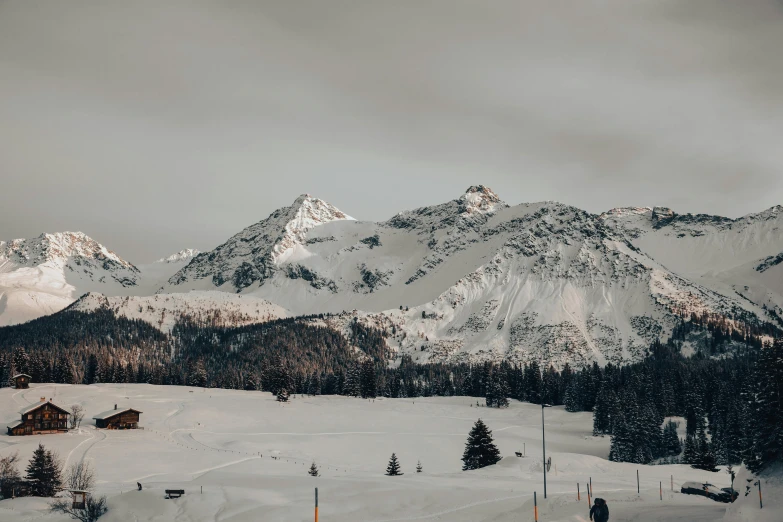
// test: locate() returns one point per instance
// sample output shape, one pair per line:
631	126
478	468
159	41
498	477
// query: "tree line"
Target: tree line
728	392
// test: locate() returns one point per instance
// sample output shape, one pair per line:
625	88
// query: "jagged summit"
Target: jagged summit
479	198
44	274
183	255
467	211
252	255
59	247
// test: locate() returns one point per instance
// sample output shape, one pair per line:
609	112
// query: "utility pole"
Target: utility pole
543	440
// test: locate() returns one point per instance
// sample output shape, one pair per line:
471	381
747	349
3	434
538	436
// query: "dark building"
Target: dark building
22	381
40	418
122	419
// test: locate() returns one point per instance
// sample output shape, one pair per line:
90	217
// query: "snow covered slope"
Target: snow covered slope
45	274
252	256
471	278
477	279
237	466
739	257
163	311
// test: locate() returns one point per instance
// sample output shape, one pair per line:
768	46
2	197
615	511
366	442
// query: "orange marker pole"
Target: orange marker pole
761	505
535	506
578	495
316	504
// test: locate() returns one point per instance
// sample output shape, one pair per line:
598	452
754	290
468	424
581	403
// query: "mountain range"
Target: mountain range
470	279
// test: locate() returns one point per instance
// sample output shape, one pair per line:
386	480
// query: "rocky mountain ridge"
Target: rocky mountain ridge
476	279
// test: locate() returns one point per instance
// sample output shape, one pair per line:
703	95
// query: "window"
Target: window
30	416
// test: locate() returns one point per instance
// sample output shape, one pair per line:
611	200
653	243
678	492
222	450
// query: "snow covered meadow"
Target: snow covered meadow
250	455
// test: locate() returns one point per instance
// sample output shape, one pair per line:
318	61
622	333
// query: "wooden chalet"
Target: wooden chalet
122	419
43	417
22	381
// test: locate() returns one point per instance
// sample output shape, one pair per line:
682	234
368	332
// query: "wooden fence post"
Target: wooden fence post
535	506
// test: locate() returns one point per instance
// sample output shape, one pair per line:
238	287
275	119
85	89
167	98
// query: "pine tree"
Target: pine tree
622	447
533	383
766	408
671	441
393	469
572	399
44	473
689	455
705	458
419	469
480	450
282	395
353	382
605	404
369	382
313	472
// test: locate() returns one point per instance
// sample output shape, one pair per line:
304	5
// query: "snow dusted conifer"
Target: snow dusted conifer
572	397
44	473
705	458
766	410
393	469
368	380
353	385
671	441
313	472
419	469
689	452
282	395
480	450
621	448
605	404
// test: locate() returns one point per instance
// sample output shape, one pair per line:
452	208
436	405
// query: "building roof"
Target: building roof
33	407
21	375
113	413
15	424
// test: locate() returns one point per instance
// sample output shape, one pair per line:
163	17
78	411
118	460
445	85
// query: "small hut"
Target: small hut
22	381
118	419
79	499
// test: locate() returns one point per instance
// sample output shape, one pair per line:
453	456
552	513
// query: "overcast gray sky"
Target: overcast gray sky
155	126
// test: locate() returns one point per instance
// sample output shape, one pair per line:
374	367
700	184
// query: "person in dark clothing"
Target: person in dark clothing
600	511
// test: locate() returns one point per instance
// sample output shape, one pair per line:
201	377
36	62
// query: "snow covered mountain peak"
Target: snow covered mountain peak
183	255
59	248
479	198
253	255
46	273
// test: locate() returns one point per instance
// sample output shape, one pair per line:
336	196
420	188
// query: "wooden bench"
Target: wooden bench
174	493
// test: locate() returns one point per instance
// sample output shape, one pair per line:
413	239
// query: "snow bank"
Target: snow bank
746	508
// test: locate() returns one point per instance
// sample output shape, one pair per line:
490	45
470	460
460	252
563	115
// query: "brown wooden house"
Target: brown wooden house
22	381
122	419
40	418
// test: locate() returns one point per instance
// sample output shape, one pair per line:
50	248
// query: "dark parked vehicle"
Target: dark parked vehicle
706	489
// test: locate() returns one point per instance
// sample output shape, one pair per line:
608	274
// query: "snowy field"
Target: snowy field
250	454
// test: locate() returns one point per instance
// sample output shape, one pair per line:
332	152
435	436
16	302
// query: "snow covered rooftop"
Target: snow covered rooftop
37	405
111	413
